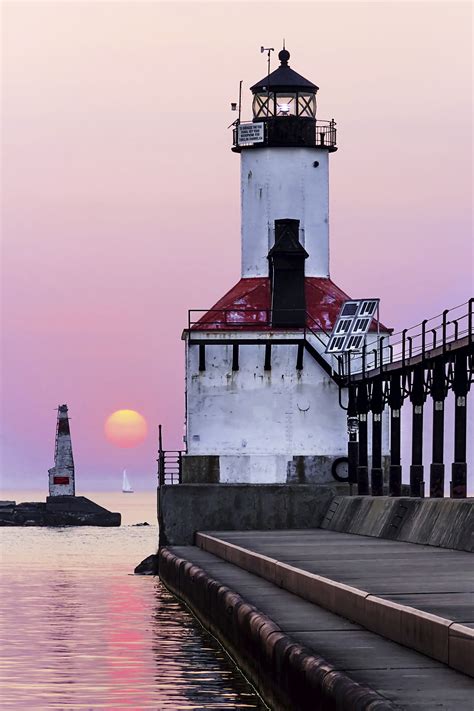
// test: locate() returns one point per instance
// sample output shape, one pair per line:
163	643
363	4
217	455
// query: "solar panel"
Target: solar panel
349	308
352	325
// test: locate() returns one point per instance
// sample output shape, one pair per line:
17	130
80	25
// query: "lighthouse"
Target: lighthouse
61	476
262	401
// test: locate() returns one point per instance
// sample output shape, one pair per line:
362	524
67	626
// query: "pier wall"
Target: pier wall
446	523
187	508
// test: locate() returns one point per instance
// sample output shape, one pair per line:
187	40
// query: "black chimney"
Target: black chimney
286	259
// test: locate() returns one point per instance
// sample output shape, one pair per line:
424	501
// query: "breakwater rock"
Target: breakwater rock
148	566
57	511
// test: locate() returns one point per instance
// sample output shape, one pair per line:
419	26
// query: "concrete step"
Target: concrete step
403	677
292	560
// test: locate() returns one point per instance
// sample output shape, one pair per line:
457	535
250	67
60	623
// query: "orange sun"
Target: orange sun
126	428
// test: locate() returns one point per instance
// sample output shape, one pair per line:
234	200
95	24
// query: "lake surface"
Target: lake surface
79	631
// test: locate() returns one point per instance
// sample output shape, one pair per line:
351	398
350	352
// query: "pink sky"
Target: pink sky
121	194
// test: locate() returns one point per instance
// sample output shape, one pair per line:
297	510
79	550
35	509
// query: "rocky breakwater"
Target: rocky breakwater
57	511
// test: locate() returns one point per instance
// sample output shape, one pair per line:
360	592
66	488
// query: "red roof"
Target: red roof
247	305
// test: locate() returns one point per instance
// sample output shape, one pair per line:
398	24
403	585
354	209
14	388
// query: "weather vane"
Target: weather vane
267	50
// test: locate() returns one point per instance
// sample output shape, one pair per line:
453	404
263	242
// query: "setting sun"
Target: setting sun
126	428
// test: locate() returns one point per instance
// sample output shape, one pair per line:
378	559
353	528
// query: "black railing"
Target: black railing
170	467
229	318
249	317
293	131
169	464
414	344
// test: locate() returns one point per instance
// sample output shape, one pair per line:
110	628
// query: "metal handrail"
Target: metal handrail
253	312
325	132
422	340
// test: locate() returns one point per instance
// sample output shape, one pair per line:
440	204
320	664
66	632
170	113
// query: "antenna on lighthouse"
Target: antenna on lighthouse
267	50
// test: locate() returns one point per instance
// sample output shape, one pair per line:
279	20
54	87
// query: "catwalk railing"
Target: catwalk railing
291	131
169	463
428	360
439	335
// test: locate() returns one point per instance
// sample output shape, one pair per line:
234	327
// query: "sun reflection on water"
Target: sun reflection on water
77	631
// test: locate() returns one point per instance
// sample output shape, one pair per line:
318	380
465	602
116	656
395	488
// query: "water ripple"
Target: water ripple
78	632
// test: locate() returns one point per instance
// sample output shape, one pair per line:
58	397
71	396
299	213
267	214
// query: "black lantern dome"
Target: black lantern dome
284	93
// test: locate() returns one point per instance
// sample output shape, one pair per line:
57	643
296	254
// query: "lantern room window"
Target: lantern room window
269	104
307	105
262	105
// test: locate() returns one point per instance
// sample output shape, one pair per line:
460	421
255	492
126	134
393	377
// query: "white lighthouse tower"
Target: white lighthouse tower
287	173
262	403
61	476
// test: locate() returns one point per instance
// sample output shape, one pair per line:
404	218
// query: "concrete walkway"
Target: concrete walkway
435	580
407	678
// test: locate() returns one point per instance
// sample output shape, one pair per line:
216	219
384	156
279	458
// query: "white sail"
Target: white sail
126	486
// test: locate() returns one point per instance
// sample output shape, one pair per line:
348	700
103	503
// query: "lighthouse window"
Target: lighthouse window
262	104
307	105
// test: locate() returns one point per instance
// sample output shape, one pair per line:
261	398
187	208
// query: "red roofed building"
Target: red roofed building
248	304
262	399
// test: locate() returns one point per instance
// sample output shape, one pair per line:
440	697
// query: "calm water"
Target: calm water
78	631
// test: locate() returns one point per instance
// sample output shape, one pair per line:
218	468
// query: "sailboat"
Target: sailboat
126	486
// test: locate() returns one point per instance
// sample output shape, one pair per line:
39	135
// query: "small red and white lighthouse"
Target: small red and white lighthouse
61	476
262	405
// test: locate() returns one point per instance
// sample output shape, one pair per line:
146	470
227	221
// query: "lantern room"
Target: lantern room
284	93
284	113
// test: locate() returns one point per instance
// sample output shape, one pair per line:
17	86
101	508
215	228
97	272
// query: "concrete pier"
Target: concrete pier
300	655
371	609
419	596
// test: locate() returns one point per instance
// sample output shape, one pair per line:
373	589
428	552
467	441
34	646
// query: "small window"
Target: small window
262	105
307	105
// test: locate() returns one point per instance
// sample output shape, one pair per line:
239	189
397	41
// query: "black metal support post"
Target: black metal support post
395	402
459	466
352	430
363	466
438	395
161	463
376	405
417	398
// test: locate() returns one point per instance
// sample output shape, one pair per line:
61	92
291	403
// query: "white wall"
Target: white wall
253	411
279	183
258	420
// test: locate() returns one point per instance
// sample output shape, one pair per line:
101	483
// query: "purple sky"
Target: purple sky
121	194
